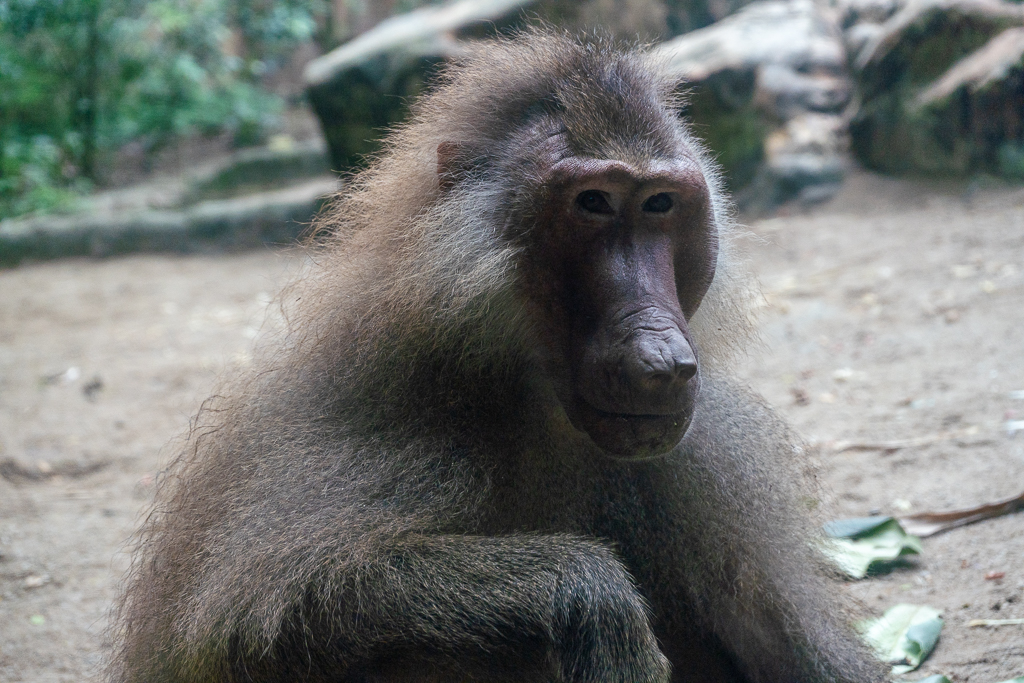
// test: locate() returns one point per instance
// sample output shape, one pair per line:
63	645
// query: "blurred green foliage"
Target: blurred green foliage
78	77
1010	158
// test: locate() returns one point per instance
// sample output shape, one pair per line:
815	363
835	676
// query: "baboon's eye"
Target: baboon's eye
659	203
594	201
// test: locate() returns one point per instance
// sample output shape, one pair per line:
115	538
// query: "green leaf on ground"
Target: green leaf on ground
857	544
904	636
855	527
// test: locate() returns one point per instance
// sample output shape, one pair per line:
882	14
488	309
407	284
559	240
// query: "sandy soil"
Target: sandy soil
894	312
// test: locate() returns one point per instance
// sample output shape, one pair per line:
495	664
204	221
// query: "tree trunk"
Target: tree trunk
90	89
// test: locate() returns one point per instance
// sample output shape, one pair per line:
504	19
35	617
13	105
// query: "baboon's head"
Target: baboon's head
608	200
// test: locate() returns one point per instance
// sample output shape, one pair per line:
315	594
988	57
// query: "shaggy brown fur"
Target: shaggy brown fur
395	493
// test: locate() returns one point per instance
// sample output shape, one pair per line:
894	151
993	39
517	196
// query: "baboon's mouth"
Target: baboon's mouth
632	436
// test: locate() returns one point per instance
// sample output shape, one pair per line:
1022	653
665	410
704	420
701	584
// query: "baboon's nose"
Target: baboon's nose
647	372
676	372
664	362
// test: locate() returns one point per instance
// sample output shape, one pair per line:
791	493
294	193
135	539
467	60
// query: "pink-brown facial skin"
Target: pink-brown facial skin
632	251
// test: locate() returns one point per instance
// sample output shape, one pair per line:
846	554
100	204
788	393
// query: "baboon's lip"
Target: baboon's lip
648	417
679	413
630	436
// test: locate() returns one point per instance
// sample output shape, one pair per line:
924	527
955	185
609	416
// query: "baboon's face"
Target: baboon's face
630	252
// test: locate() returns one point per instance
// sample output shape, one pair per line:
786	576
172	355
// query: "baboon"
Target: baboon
498	440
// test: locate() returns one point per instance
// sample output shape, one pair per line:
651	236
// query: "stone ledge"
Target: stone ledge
278	217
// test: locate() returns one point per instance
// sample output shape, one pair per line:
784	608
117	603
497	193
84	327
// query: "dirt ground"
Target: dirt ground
895	311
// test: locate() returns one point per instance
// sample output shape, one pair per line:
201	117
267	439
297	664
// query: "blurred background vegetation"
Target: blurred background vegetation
79	79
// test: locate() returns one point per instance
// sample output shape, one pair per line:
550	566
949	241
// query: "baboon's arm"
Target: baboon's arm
791	642
551	606
768	600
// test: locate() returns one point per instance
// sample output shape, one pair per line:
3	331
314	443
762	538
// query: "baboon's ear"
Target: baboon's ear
452	164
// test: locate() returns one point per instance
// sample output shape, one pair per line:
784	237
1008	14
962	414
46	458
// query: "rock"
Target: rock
776	70
942	89
855	12
805	161
364	86
793	33
281	186
859	35
784	92
747	75
258	168
229	224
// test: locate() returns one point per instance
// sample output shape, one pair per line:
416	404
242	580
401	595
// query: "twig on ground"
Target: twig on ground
931	523
995	622
898	444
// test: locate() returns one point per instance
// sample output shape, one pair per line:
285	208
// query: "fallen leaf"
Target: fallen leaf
904	636
858	544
